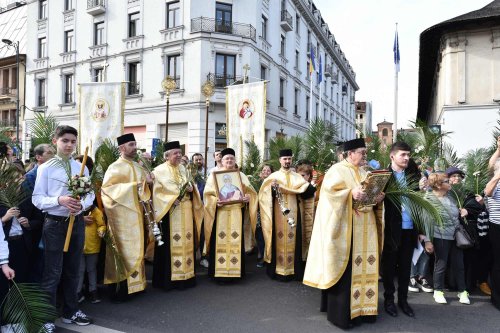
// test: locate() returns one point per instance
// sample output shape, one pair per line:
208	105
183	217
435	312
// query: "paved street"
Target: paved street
259	304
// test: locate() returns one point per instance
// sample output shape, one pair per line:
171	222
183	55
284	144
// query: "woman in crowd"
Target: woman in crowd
444	241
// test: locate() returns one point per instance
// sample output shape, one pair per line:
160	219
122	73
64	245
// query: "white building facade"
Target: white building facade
141	42
363	119
459	86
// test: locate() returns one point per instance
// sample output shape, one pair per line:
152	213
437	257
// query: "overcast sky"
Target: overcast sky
365	31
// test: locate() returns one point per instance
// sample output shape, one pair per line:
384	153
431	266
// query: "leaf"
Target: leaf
105	155
252	164
42	128
27	306
320	144
12	191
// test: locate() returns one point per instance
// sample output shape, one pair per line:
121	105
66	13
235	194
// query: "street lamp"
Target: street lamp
16	46
168	85
207	89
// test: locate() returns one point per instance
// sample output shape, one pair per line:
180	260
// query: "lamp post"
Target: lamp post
168	85
207	89
16	47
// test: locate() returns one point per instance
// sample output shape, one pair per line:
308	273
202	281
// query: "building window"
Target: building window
98	75
297	24
42	9
223	17
173	68
13	78
68	88
263	72
41	92
282	93
99	33
282	45
68	4
308	101
225	70
385	132
42	47
68	40
173	14
264	28
316	114
133	24
297	59
133	83
296	98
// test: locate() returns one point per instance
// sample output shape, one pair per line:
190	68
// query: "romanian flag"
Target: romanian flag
312	63
320	77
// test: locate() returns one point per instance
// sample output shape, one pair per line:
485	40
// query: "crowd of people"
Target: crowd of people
304	226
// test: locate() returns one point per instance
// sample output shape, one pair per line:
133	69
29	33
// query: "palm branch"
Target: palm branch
105	155
475	166
424	213
42	128
319	142
252	164
12	191
116	256
158	154
27	308
376	151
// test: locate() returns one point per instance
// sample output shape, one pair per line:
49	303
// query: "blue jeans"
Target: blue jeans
421	269
59	264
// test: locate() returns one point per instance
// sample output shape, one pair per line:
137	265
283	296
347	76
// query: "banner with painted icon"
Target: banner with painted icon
246	117
101	109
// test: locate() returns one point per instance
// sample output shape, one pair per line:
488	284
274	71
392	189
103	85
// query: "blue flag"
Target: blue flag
320	77
396	52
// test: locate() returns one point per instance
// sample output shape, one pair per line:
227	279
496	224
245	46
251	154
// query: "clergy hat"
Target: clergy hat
354	144
171	145
125	138
286	152
227	151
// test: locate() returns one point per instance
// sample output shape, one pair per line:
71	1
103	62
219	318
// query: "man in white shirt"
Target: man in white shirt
51	195
218	163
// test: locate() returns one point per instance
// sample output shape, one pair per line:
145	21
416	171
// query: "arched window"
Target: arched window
385	132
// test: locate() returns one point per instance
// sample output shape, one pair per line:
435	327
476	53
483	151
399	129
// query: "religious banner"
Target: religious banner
246	117
100	107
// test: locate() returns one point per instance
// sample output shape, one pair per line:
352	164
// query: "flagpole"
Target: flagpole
311	98
396	82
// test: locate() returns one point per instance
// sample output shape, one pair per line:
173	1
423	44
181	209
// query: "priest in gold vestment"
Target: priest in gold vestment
223	223
123	182
286	244
346	244
180	217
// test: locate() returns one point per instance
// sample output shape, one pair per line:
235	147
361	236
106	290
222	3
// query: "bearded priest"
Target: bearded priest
286	203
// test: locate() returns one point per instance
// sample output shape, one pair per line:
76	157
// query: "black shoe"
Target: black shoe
405	307
390	308
369	319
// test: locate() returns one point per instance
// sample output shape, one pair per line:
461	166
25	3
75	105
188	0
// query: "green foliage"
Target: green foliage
27	308
376	151
475	166
105	155
252	164
320	144
42	128
12	193
423	212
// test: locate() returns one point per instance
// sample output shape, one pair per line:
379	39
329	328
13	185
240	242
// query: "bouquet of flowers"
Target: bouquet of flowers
79	186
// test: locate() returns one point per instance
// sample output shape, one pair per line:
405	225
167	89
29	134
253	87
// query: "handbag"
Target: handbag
462	237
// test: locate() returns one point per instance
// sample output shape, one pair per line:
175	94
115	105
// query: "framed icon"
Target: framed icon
229	186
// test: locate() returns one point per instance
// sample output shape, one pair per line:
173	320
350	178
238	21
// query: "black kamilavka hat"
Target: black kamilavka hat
227	151
286	152
171	145
125	138
354	144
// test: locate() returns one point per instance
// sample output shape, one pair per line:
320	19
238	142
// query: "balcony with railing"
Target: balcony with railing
96	7
286	20
205	24
7	92
41	101
328	71
224	80
335	77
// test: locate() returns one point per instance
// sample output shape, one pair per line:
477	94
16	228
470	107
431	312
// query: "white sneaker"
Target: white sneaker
413	287
204	263
439	297
47	328
464	297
